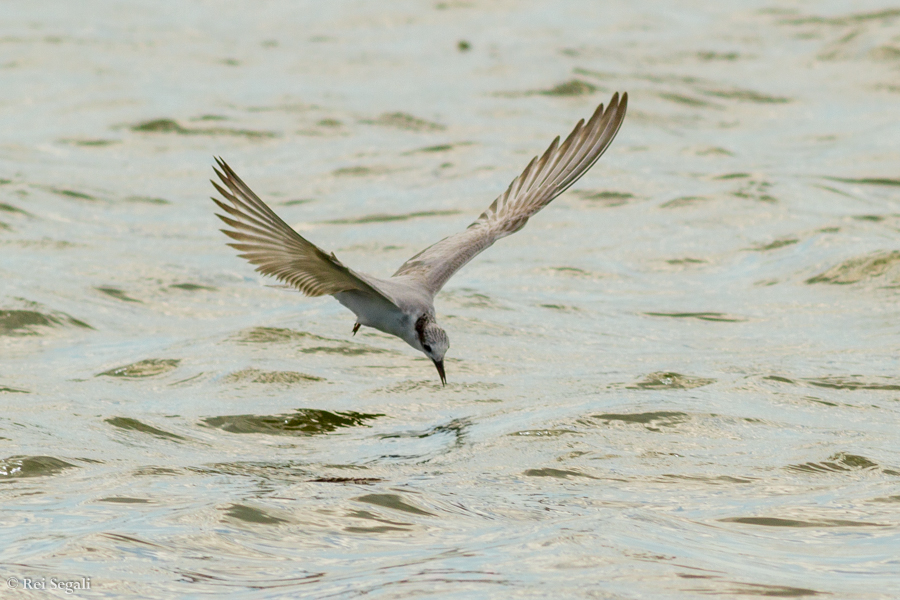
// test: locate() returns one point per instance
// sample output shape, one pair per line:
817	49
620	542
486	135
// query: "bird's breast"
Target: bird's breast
379	315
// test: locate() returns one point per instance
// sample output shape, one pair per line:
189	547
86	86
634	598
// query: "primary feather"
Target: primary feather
542	180
277	250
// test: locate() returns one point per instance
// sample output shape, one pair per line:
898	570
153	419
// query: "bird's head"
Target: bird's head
434	342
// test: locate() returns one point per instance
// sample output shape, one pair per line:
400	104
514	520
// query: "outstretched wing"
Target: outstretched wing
277	250
543	179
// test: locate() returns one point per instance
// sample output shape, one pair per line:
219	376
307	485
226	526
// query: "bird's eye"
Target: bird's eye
427	347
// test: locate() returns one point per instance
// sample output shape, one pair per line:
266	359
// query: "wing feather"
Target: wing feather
543	179
276	249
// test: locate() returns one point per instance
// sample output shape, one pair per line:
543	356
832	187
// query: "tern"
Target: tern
404	304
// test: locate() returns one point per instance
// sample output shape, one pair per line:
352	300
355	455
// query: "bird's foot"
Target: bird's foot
356	328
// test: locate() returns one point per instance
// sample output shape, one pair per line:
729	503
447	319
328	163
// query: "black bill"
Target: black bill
440	367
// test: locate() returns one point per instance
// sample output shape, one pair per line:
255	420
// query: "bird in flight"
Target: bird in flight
404	304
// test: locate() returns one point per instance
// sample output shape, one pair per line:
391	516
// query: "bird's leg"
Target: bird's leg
356	328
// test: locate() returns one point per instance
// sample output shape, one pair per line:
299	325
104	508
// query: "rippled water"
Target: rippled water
680	380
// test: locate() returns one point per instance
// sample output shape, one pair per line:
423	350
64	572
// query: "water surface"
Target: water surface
680	380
